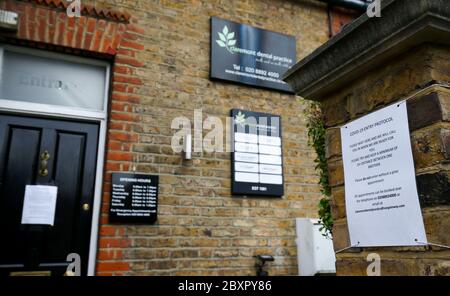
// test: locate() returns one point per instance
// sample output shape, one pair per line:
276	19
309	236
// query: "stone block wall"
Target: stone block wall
423	73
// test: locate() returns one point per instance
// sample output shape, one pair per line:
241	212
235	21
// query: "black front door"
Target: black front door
60	153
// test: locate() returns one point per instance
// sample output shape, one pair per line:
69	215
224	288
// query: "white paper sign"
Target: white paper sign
39	205
381	197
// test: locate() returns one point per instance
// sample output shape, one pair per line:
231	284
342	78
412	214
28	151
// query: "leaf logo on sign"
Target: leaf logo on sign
226	39
240	119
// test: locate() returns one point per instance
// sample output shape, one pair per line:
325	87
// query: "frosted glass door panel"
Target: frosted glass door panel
35	79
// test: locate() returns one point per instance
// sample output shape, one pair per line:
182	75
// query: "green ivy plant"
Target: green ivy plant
316	139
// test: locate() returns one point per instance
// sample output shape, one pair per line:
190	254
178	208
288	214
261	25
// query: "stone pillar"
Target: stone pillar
373	63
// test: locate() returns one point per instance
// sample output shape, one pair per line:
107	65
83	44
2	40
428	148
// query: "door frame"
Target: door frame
60	112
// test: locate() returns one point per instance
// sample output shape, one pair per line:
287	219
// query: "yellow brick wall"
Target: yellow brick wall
161	58
201	228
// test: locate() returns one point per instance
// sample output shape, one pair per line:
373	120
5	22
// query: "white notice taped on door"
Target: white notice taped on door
39	205
381	197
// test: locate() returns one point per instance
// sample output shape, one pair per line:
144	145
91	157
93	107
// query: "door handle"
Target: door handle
43	170
86	207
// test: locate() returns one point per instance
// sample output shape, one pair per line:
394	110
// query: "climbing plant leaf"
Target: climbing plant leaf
316	139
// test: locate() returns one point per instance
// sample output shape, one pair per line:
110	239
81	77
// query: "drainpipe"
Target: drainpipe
351	4
330	21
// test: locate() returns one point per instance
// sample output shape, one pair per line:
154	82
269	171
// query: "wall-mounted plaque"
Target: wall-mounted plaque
248	55
257	160
134	198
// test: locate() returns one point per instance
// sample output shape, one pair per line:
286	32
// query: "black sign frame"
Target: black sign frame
248	189
122	184
278	54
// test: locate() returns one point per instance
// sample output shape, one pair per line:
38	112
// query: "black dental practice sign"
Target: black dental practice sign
257	158
248	55
134	198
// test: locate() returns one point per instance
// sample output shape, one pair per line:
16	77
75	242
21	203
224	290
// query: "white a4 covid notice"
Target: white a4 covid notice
380	185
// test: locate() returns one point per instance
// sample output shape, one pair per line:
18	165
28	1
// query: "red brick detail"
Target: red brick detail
340	18
109	34
128	80
133	45
126	98
118	242
130	62
120	156
110	254
50	26
112	266
122	136
86	9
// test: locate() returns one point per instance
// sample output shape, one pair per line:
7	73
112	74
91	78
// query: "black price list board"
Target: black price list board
134	198
257	160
